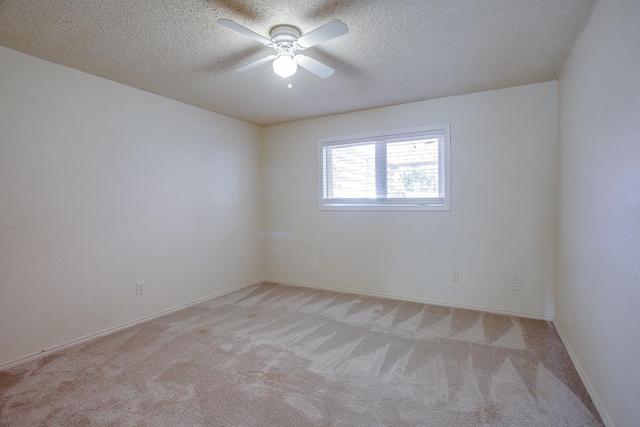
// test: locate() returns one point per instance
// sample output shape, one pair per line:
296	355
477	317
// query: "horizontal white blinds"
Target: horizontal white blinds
398	170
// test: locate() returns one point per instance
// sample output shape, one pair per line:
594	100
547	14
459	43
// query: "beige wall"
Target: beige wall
102	185
598	292
502	221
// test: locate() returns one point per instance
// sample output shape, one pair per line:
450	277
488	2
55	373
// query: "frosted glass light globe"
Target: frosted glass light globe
285	66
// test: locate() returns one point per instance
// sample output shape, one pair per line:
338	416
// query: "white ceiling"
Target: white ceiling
395	51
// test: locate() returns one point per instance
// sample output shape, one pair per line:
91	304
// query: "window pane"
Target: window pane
412	169
407	169
353	171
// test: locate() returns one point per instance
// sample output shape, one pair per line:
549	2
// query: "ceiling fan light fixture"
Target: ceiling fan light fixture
285	66
286	40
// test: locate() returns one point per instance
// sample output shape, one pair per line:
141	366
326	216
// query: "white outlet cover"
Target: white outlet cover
316	262
514	286
139	288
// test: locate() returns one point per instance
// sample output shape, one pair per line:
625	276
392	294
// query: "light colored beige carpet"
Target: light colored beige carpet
273	355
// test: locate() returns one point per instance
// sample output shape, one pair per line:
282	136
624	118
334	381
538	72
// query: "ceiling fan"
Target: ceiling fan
286	40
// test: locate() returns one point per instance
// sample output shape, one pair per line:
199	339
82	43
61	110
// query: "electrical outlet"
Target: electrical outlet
316	262
514	286
515	283
516	280
226	268
139	288
455	276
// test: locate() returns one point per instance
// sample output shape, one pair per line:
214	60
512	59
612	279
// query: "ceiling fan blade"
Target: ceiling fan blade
245	31
316	67
254	64
328	31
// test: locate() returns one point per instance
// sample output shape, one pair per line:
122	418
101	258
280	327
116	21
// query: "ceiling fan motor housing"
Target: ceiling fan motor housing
286	40
284	34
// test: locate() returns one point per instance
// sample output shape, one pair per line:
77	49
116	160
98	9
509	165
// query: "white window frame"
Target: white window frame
444	169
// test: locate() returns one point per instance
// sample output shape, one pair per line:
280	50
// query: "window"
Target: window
399	170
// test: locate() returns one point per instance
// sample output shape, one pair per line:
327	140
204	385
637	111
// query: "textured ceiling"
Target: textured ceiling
395	51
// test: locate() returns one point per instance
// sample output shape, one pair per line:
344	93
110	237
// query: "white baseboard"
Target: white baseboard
405	298
91	337
585	379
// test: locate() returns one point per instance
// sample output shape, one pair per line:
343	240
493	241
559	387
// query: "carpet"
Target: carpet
274	355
